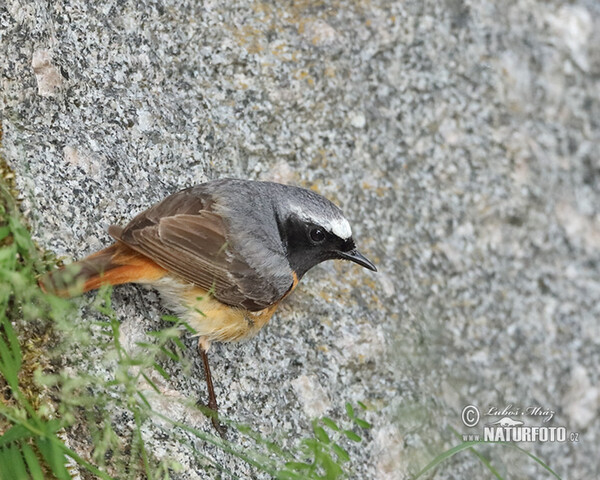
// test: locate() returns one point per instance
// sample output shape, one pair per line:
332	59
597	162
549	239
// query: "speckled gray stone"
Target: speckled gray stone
461	137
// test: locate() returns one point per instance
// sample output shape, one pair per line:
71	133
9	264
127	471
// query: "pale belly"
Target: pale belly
212	320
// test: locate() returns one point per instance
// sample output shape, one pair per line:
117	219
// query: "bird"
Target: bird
222	254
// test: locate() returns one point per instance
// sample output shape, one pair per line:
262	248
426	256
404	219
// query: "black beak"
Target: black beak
357	257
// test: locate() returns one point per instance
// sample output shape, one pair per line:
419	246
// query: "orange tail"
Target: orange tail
114	265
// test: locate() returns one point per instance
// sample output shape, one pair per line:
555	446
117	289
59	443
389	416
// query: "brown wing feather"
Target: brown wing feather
183	234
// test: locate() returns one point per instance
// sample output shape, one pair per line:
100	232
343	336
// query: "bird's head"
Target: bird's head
313	230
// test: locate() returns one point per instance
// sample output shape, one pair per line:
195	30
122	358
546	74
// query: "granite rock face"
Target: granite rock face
461	138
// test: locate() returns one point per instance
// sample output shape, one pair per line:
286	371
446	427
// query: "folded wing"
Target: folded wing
184	235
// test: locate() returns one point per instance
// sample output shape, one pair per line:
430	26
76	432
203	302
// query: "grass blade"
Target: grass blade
469	445
54	457
18	462
33	463
16	432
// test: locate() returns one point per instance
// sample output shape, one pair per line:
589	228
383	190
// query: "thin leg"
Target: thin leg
212	398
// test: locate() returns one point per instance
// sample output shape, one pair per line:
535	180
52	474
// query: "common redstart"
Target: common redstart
223	254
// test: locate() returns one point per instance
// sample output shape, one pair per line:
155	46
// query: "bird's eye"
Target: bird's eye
317	235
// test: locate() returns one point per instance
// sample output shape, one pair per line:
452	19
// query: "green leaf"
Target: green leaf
352	436
286	475
54	457
170	318
362	423
13	342
4	232
342	454
245	429
349	410
9	367
17	432
19	470
328	422
329	465
362	405
312	443
33	463
298	466
169	353
144	399
162	372
8	257
5	464
321	434
20	235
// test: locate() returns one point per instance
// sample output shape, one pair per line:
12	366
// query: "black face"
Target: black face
309	244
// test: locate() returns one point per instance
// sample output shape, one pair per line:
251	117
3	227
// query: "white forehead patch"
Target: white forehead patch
340	227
